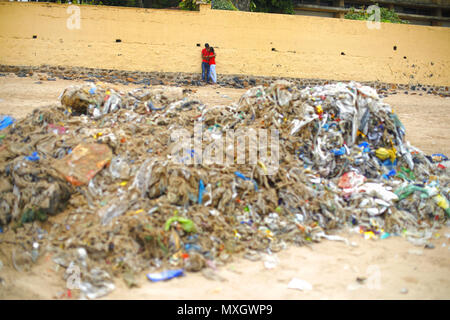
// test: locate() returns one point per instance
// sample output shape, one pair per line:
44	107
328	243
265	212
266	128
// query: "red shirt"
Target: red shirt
205	53
213	59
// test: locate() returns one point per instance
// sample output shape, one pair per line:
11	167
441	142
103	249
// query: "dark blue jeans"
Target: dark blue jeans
205	71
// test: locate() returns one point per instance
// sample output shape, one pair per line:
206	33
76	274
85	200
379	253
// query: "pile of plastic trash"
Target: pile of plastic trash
137	199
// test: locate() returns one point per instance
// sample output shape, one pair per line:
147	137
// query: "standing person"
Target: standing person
212	65
205	63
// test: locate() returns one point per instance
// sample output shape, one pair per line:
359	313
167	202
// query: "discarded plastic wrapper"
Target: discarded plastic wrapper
165	275
93	292
240	175
270	261
442	202
333	237
350	180
57	129
339	152
84	162
97	284
300	284
186	224
383	154
378	190
404	191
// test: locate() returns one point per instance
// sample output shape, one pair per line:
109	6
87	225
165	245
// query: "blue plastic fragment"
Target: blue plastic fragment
389	164
92	90
194	247
339	152
34	157
249	222
6	121
1	230
389	174
385	235
364	145
240	175
201	189
165	275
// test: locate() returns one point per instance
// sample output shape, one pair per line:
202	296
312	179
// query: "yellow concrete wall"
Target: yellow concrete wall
165	40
